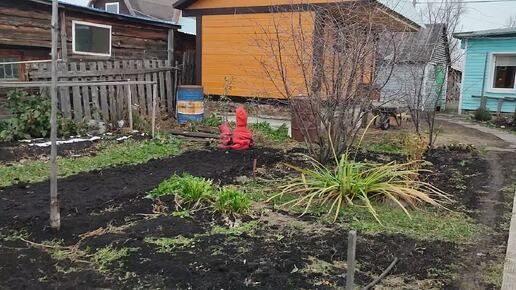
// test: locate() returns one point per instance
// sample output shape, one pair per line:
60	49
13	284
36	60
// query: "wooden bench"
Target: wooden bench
499	104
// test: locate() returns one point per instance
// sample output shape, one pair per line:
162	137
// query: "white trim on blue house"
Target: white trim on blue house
490	76
461	95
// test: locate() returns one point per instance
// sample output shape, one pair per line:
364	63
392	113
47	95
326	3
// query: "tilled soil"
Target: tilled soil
16	152
267	257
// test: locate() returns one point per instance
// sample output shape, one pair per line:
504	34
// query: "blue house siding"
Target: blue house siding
478	61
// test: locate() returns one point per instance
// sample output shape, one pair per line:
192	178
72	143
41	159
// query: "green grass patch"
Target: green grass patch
493	274
168	245
248	227
280	134
108	155
109	257
423	224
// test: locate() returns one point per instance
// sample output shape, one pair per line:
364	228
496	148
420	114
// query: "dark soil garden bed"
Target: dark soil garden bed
267	257
16	152
12	152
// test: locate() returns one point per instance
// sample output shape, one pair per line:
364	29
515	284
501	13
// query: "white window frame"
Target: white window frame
75	22
113	3
492	70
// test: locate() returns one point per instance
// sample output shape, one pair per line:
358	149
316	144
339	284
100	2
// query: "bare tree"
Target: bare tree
322	59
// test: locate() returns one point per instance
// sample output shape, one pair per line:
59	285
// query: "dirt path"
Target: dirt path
501	157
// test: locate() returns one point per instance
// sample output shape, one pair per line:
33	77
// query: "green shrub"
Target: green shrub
230	201
482	114
212	121
353	182
189	190
32	118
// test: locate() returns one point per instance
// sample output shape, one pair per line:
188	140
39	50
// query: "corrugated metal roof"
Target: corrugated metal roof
511	31
428	44
101	12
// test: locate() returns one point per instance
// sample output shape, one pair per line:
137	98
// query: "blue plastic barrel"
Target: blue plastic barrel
190	104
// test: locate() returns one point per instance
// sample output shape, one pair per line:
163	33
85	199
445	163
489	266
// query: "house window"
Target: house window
113	7
9	71
504	71
91	38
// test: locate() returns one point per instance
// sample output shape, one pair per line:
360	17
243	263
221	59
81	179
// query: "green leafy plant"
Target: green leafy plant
359	184
280	134
230	201
189	190
212	121
32	118
482	114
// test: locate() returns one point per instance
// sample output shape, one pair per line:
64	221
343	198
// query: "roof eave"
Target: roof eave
183	4
102	13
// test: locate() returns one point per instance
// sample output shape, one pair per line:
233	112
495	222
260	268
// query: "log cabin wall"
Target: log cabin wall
129	40
25	27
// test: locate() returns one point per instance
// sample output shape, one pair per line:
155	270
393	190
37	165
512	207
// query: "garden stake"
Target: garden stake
379	278
154	96
254	168
352	244
55	215
130	106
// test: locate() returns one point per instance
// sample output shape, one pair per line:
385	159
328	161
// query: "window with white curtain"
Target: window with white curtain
504	72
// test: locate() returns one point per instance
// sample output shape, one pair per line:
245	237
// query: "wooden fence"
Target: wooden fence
188	68
109	103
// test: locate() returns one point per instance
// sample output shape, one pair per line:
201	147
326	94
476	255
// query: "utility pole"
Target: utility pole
55	215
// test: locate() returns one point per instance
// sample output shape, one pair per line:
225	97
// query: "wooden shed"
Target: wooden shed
228	60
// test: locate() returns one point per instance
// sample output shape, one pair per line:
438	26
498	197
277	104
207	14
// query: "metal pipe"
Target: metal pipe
71	84
29	61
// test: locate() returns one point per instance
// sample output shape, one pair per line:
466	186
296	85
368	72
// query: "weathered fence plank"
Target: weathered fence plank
110	102
85	96
141	89
103	94
95	95
77	99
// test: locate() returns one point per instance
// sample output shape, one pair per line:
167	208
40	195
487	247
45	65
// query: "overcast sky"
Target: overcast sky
478	16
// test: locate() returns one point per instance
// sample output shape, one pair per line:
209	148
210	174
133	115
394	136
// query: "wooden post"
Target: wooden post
64	37
154	96
55	215
174	88
352	245
130	106
170	49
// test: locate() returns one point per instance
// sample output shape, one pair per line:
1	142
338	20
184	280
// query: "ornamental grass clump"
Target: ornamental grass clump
189	190
352	183
230	201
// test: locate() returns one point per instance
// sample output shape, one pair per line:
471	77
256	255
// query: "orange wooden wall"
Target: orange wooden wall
205	4
235	49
